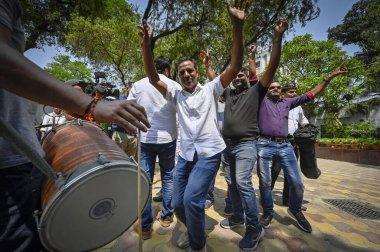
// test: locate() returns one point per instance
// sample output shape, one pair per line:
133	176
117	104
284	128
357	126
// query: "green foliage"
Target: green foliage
333	125
104	32
45	21
307	62
360	130
183	28
361	26
111	43
64	69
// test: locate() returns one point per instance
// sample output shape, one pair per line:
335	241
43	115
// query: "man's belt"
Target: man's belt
275	139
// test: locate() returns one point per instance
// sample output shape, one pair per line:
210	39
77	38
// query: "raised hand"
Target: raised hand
236	11
204	55
338	71
146	33
281	25
252	50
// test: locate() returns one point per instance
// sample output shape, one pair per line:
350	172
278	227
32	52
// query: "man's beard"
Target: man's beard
240	84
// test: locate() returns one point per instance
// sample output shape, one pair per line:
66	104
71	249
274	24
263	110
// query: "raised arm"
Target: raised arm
24	78
237	18
204	55
252	60
280	27
146	34
321	86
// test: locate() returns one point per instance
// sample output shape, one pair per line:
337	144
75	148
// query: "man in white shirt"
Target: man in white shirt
54	118
159	140
296	118
201	141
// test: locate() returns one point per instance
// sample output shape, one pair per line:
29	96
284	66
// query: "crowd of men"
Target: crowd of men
255	128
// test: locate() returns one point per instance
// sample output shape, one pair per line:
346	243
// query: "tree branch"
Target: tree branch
147	10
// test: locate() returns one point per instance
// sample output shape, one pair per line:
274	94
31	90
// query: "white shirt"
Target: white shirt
48	119
161	114
296	118
197	117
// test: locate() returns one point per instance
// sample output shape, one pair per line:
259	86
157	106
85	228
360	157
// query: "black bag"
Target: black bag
305	137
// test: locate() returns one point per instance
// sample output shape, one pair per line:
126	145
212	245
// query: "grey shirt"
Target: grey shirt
240	113
14	109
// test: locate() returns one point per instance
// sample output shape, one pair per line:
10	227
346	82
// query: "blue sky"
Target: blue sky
332	14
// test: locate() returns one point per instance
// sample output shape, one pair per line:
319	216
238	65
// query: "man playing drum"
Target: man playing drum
20	79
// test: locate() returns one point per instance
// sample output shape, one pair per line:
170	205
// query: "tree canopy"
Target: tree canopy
183	28
361	26
46	21
65	69
104	32
109	44
306	62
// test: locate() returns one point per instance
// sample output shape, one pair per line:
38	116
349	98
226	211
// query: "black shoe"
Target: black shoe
265	220
301	221
228	211
208	204
229	223
251	238
157	198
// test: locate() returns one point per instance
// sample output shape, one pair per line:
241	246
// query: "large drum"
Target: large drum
95	199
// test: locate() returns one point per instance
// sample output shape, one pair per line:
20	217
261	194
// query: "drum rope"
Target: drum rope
13	137
139	210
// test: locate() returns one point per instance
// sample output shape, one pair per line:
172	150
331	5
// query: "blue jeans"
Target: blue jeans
166	154
268	151
19	198
210	194
240	159
192	180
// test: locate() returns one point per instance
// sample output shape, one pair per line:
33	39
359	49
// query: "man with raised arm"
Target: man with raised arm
274	144
20	80
240	131
201	143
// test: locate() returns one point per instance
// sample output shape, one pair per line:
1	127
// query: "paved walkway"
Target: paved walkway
333	229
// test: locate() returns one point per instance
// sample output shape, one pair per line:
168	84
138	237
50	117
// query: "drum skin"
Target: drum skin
98	200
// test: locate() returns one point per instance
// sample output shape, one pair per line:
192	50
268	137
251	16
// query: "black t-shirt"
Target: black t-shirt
241	113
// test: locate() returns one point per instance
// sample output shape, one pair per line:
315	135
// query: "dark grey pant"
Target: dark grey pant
19	198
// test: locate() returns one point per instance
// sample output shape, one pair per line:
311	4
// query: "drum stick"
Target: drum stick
139	189
13	137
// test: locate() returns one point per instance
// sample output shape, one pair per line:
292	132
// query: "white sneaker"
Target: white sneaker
183	241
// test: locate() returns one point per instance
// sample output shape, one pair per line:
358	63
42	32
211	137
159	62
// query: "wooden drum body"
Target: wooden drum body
97	196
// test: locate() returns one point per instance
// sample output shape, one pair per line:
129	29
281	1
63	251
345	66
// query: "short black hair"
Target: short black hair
186	59
162	63
245	71
288	86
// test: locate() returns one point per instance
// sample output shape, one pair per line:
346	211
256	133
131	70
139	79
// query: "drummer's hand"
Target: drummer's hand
126	114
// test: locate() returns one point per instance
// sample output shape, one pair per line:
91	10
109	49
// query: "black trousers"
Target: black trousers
19	198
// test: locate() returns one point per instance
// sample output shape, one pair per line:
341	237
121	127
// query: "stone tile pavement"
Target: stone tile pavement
333	229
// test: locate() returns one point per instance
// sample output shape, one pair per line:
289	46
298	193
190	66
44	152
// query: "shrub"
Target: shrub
360	130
